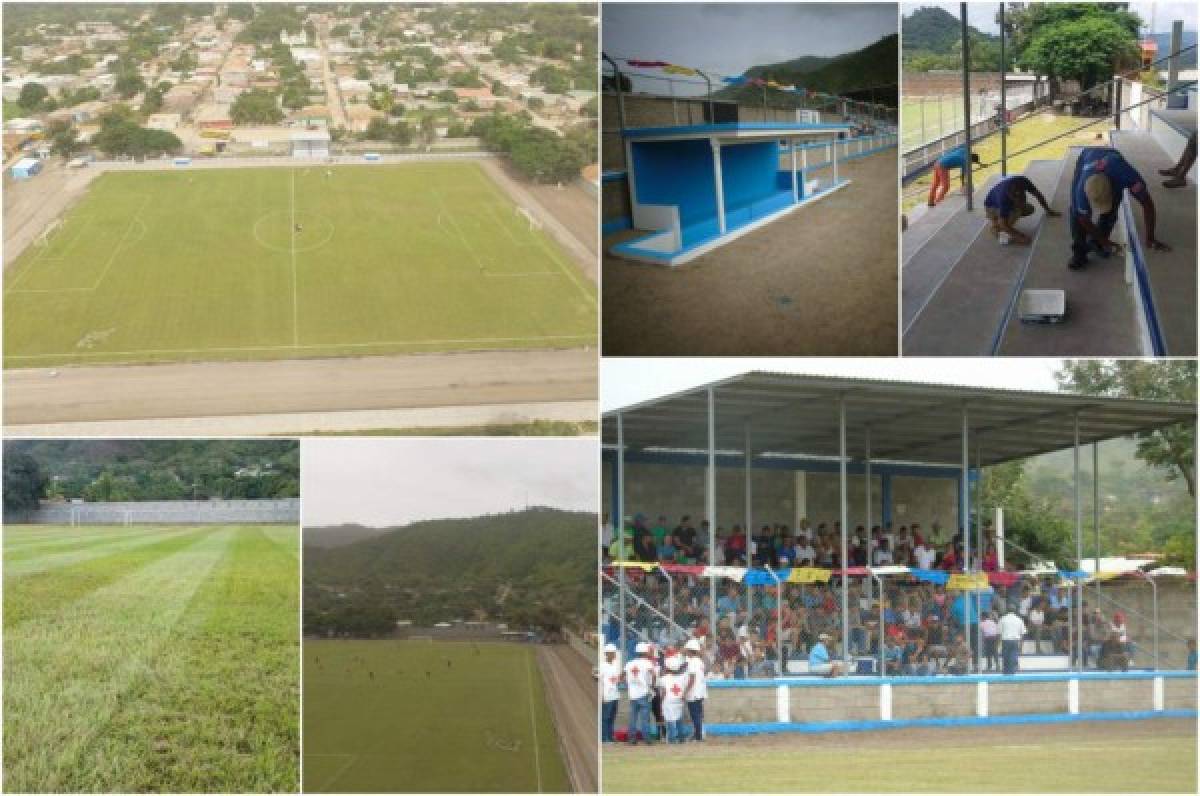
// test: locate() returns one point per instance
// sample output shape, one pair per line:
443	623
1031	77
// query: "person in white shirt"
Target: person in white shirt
1012	630
697	688
806	556
610	691
882	555
990	631
1037	622
640	682
673	686
925	556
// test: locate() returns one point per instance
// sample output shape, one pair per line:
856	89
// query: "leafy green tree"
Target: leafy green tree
378	129
1172	449
1089	50
428	130
400	134
256	106
129	84
447	95
64	140
32	96
152	102
24	482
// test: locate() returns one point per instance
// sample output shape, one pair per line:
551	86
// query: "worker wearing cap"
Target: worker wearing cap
610	689
954	159
1101	178
697	687
640	681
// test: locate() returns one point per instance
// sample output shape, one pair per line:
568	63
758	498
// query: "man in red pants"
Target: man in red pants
954	159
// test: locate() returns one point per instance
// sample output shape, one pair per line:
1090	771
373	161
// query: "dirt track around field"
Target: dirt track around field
88	394
571	693
822	281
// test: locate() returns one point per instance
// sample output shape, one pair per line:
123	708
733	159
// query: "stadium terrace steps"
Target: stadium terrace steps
924	222
1172	274
1101	316
964	315
928	266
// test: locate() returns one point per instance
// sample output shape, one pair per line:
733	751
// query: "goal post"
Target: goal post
534	223
44	238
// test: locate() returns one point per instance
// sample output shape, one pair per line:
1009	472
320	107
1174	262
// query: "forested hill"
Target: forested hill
935	30
531	567
339	535
847	74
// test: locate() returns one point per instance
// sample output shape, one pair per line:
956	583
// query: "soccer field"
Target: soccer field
254	263
151	659
417	716
1158	755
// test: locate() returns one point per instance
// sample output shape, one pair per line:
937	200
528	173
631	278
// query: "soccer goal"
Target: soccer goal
43	239
534	223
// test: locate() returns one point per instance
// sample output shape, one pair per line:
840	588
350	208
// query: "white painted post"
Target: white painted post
718	180
795	187
783	705
835	174
885	701
1073	696
1159	698
981	698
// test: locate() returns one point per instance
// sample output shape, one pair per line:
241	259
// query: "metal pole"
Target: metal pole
670	599
619	524
1096	512
778	620
845	521
966	56
1003	103
1173	96
965	518
749	495
1117	102
1078	546
867	430
710	506
882	663
1154	586
979	549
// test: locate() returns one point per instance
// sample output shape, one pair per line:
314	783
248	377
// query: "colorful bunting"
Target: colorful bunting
967	581
809	575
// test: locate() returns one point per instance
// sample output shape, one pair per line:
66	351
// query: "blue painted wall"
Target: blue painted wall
749	172
676	173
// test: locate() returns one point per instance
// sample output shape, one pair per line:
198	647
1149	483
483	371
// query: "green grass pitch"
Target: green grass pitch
258	263
142	659
477	722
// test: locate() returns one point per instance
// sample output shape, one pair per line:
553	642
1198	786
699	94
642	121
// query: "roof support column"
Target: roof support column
867	480
795	186
835	161
718	185
979	546
966	59
619	524
710	503
964	519
1078	550
749	492
1003	102
845	522
1096	513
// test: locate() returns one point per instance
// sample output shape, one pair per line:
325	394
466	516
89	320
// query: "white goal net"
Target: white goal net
47	233
534	223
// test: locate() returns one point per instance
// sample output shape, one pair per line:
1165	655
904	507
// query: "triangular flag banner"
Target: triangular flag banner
675	69
974	581
809	575
686	569
646	64
935	576
733	573
647	566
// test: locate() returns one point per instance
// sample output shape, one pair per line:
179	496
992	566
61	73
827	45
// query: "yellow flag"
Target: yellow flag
809	575
648	566
674	69
976	581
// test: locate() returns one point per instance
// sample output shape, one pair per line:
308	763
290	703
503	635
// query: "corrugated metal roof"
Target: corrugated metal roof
795	414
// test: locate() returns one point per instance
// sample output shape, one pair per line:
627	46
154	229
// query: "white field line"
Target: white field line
311	347
537	755
45	563
295	277
137	219
331	780
19	547
54	703
458	231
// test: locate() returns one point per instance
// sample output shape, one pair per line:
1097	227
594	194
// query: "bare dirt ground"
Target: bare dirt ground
572	695
569	213
30	205
83	394
821	281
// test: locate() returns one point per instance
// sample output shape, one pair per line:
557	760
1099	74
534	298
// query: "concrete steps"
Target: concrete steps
965	314
1101	315
1172	275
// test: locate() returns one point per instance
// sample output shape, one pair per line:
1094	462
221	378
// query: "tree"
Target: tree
152	102
23	482
257	106
400	134
1089	50
428	130
1171	449
64	140
378	129
32	95
129	84
447	95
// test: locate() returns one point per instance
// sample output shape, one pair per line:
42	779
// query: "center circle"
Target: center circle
287	231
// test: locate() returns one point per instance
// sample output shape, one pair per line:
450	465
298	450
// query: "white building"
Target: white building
310	144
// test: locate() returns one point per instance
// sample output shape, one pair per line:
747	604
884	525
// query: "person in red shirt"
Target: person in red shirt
949	559
735	547
990	559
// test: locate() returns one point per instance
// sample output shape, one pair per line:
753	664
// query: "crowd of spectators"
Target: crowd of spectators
926	629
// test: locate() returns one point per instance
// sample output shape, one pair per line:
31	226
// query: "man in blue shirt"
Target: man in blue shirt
1099	183
819	661
954	159
1007	202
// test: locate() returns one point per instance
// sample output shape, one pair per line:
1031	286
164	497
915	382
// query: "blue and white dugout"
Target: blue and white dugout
699	187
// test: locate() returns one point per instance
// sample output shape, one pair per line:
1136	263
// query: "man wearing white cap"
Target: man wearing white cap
697	688
672	686
610	691
819	661
1101	178
640	682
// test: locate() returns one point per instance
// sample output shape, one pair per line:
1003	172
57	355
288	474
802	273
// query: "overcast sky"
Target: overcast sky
983	15
385	482
625	381
731	37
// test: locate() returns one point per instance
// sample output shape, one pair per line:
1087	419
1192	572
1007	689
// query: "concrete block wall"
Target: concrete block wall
740	705
1098	696
183	512
925	500
927	701
1023	697
1180	693
816	703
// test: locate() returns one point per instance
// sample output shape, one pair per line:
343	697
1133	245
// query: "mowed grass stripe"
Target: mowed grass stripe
39	595
52	560
16	551
285	537
64	676
403	729
217	709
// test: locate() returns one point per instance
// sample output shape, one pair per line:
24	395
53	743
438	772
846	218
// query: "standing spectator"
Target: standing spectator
1037	622
640	682
610	680
1191	643
883	556
806	556
685	537
644	548
990	559
1012	631
990	631
662	537
949	558
697	687
1112	654
735	547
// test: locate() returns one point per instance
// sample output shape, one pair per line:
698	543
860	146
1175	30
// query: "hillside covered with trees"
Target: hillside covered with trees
529	568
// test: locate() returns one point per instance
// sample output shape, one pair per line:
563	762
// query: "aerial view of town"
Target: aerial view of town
295	218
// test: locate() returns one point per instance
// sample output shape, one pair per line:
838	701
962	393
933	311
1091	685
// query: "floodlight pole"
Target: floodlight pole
1003	102
845	521
1078	550
619	524
966	56
710	507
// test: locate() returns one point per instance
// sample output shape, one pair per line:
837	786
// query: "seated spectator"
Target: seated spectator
924	555
918	537
819	660
949	558
727	603
644	548
893	657
991	560
805	555
685	538
661	534
917	661
735	547
1037	626
1112	654
883	556
958	661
